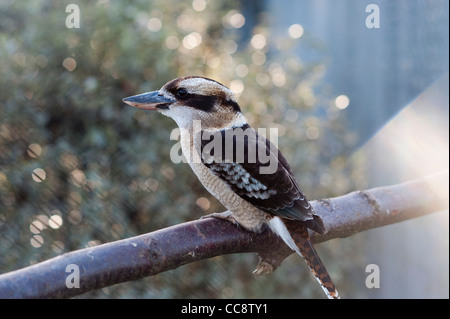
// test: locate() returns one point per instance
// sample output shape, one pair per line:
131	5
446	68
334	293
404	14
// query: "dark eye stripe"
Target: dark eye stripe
206	102
201	102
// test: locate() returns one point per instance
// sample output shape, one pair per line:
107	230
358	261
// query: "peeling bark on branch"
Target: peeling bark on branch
169	248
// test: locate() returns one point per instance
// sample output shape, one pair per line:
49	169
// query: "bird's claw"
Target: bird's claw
227	215
263	268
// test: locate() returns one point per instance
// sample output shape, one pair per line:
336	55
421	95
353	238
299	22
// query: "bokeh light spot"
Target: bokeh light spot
199	5
342	101
203	203
55	221
258	41
241	70
172	42
36	227
37	241
295	31
312	133
70	64
258	58
192	40
39	175
78	177
34	150
237	86
237	20
154	24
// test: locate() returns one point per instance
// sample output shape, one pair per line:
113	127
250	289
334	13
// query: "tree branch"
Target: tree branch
169	248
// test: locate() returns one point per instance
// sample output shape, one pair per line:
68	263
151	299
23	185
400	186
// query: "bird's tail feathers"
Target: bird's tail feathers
298	234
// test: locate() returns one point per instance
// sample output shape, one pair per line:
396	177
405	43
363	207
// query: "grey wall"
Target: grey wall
381	70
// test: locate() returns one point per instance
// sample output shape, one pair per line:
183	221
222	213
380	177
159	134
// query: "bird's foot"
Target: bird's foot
227	215
263	268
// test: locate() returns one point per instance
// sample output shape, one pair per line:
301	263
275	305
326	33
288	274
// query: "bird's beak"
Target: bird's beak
149	101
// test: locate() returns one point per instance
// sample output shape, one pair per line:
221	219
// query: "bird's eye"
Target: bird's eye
182	92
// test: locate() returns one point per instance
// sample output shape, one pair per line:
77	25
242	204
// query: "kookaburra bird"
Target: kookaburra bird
241	168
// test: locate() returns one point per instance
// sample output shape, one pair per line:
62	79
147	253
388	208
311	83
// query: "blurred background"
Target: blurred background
355	107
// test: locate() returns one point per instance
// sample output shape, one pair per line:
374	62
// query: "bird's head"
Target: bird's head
193	98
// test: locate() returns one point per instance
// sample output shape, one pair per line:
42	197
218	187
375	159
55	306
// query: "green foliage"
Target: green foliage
79	167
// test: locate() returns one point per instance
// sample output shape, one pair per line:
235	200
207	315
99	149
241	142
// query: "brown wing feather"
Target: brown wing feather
245	171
